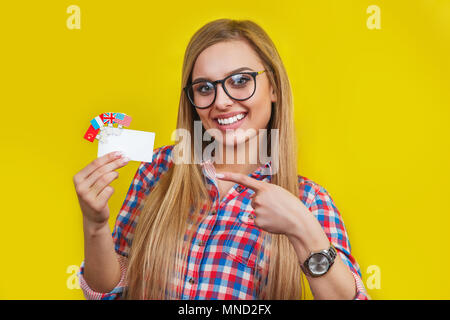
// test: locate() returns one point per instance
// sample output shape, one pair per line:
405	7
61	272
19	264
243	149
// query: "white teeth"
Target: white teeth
232	119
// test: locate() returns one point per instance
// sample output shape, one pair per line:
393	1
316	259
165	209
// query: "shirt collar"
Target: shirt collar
263	172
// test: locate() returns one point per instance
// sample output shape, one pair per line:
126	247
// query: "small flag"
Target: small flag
108	118
102	126
125	122
118	116
97	122
103	121
91	133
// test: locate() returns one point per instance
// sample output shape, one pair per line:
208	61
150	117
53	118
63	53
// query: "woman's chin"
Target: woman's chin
233	140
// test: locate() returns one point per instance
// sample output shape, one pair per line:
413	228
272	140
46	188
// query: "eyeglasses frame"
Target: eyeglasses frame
214	83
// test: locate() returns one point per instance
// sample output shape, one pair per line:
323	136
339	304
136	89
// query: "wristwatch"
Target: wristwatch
318	263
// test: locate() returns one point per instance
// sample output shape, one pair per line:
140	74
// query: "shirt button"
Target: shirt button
213	212
239	189
201	243
191	281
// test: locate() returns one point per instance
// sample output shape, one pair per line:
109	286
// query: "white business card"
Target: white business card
137	145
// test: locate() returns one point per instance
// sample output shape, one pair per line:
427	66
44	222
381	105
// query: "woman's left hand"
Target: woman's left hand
276	209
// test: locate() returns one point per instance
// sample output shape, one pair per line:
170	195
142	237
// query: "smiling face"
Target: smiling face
227	114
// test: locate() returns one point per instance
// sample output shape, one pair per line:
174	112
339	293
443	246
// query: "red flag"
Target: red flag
91	133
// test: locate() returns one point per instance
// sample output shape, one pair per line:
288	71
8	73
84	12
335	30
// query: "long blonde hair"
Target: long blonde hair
157	259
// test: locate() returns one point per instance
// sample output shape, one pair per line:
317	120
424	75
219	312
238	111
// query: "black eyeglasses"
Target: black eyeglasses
239	86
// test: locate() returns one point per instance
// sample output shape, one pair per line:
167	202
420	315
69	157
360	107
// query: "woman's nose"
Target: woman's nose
222	99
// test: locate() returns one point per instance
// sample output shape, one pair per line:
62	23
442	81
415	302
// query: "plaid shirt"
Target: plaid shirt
222	256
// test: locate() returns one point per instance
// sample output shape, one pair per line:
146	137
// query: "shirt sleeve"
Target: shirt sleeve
324	209
115	293
146	177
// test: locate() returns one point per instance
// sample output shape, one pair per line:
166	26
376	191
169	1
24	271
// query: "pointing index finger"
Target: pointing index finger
240	178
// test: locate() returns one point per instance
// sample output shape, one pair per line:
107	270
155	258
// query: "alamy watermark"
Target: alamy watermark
74	20
257	140
72	281
374	20
374	278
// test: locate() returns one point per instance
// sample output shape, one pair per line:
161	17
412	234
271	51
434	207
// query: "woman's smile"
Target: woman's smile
230	120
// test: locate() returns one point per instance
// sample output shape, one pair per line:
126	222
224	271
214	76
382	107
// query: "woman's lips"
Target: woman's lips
234	125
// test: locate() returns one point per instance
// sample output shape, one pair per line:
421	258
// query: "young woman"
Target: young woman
212	229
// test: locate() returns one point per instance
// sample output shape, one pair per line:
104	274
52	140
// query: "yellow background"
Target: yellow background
371	107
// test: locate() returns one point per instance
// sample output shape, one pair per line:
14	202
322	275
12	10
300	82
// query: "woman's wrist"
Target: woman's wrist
93	229
307	236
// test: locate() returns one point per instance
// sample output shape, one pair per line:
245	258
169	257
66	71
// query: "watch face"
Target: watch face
318	264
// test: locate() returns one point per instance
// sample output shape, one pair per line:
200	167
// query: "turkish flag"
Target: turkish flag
91	133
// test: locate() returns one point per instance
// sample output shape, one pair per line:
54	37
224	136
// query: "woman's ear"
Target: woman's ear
273	95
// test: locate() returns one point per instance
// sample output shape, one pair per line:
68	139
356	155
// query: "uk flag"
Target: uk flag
109	118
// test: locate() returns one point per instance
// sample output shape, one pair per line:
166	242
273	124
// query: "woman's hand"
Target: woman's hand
93	189
276	209
279	211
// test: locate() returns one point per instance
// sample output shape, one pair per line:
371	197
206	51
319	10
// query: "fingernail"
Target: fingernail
220	175
125	159
118	154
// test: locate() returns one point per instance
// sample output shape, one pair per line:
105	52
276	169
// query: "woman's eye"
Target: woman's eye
239	80
203	88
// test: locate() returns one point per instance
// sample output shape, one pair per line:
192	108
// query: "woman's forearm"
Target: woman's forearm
338	283
101	266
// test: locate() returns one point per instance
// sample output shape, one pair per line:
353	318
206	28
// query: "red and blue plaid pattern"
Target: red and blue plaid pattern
222	257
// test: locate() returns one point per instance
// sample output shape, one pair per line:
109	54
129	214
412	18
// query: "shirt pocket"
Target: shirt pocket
242	239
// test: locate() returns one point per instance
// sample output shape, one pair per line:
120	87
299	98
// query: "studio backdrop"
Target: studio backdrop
370	81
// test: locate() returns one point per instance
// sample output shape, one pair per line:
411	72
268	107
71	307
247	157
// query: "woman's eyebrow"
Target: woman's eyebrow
226	75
